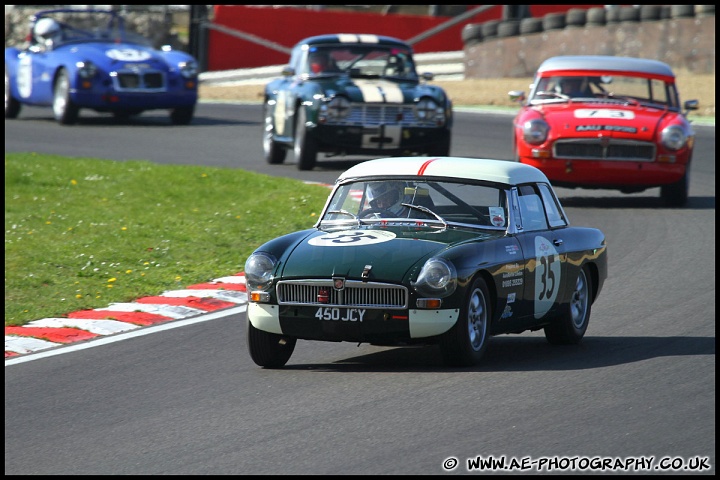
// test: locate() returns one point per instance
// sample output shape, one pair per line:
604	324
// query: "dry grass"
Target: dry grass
493	91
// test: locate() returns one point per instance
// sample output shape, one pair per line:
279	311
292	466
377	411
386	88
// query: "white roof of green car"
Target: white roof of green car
500	171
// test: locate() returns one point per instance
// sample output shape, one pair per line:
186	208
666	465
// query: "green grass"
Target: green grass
81	233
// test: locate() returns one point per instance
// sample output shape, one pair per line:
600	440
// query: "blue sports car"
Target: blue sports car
78	59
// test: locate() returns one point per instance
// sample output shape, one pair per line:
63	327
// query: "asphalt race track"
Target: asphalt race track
637	396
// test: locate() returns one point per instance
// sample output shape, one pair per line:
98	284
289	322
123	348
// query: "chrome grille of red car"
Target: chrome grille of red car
354	294
139	81
604	149
381	114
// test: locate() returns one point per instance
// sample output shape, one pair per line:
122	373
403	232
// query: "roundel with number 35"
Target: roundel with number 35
547	275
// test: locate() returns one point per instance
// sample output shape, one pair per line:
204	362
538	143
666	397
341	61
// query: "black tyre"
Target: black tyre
650	12
676	194
629	14
64	110
490	28
569	327
576	17
182	115
530	25
595	16
553	21
510	28
274	154
472	33
465	343
441	148
12	106
269	350
682	11
306	148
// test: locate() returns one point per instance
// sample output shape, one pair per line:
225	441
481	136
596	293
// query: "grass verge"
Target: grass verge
81	233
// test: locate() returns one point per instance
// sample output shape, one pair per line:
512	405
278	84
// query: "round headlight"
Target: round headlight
338	108
86	69
259	269
437	278
535	131
674	137
188	69
427	109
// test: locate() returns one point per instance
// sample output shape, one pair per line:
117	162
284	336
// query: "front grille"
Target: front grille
139	81
381	114
604	149
355	294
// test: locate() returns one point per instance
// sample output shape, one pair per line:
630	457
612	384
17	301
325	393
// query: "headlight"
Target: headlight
188	69
86	69
438	278
429	111
338	108
674	137
535	131
259	269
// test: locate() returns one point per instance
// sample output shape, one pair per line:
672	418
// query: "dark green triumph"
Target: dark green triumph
434	250
356	94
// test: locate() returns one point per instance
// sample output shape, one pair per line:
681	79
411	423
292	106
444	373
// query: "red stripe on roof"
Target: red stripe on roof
425	165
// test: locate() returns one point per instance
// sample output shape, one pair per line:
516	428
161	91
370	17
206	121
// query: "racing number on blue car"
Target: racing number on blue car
547	275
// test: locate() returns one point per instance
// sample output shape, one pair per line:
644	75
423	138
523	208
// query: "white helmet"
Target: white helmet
46	29
390	194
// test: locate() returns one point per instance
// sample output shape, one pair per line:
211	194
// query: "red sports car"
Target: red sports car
605	122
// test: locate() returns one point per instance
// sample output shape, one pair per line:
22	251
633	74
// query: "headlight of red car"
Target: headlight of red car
674	137
535	131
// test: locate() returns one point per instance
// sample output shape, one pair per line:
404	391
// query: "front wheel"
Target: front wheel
182	115
569	327
64	110
676	194
12	106
306	148
274	153
442	147
465	343
269	350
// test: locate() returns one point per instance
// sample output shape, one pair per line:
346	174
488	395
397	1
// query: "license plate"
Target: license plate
337	314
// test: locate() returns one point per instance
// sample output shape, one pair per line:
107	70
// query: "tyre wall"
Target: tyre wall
683	36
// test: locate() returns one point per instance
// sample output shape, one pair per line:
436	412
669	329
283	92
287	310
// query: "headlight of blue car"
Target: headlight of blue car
437	278
674	137
86	70
188	69
259	269
536	131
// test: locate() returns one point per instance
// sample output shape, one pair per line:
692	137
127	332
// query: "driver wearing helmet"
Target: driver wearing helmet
321	62
47	32
574	87
386	199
